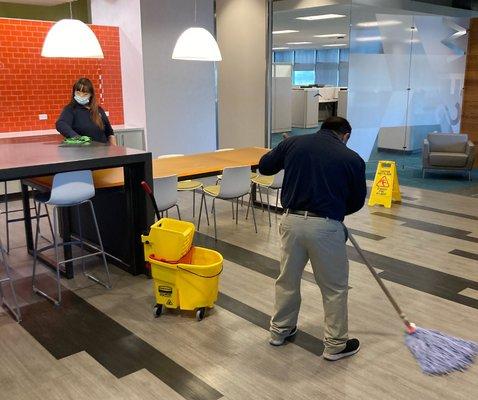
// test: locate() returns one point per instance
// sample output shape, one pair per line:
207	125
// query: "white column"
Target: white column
180	95
242	38
126	15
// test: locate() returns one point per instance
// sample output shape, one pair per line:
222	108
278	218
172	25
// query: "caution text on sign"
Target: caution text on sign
385	185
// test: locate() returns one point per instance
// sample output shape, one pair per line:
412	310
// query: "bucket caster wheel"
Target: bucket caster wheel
200	314
157	310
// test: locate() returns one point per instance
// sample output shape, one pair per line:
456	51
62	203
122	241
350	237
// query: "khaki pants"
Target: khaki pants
323	242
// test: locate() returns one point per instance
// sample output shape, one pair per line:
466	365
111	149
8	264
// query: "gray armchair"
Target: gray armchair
448	151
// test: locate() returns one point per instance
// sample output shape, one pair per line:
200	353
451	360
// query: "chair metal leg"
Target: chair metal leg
80	234
194	203
200	210
232	206
247	211
37	211
49	219
277	199
57	254
35	254
179	214
260	196
268	207
214	215
253	214
56	301
100	242
16	312
249	202
237	208
205	211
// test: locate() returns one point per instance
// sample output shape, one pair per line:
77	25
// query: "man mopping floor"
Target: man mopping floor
323	182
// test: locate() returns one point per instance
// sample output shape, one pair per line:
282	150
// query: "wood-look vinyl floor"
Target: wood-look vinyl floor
228	350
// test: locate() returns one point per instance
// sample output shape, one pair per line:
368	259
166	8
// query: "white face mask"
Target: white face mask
83	100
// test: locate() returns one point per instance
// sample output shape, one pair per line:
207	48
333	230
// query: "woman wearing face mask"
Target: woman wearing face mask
84	117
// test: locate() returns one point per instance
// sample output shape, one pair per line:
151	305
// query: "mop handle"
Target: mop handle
382	285
149	192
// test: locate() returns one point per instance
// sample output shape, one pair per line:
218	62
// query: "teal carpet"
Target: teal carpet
409	168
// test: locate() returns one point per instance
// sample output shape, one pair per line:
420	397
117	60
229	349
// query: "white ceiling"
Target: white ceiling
39	2
286	13
283	20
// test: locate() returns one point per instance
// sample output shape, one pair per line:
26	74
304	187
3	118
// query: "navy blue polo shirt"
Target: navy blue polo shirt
321	174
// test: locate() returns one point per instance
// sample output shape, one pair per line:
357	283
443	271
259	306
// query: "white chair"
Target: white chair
219	177
166	194
188	184
235	183
273	182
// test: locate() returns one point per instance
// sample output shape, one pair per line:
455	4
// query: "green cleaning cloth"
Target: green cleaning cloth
77	140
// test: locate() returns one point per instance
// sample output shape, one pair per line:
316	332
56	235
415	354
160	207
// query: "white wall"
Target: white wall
241	34
126	15
180	95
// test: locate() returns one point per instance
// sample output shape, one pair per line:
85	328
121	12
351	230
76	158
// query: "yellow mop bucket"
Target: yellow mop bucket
168	239
190	284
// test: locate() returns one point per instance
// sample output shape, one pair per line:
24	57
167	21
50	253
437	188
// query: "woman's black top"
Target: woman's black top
75	120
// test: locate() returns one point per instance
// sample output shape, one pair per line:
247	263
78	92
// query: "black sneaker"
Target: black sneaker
352	347
280	341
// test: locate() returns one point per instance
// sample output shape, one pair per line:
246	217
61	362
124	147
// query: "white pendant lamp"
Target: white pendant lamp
71	38
196	44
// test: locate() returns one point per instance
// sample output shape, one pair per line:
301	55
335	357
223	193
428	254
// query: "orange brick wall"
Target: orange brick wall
31	85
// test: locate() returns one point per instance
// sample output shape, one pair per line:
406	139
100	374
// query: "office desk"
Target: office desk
24	159
110	191
327	108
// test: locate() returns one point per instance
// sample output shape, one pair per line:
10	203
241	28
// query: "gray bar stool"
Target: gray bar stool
15	309
69	189
8	220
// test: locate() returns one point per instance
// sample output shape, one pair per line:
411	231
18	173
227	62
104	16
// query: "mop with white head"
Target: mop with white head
435	352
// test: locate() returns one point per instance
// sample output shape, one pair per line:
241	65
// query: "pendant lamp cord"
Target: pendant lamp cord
71	11
195	11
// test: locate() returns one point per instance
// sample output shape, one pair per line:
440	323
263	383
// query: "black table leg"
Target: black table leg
27	218
139	212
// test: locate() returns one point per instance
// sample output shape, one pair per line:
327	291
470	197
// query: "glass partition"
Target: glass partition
394	69
406	74
313	38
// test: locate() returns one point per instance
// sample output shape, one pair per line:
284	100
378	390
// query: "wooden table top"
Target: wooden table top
185	167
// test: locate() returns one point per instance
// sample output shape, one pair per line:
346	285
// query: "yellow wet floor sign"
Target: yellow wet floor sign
385	185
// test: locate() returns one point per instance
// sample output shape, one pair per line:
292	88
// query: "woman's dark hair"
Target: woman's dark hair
337	124
84	85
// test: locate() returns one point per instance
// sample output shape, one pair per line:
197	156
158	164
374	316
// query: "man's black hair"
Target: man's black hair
337	124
